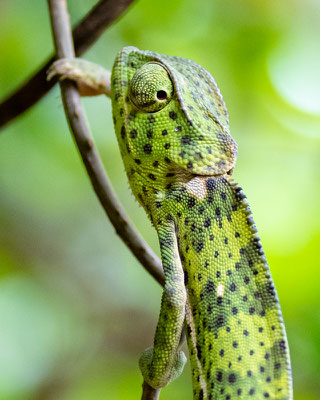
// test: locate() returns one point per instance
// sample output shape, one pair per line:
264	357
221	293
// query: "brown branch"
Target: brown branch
149	393
83	138
100	182
102	15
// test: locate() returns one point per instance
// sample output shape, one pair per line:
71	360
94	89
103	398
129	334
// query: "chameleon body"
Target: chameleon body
172	128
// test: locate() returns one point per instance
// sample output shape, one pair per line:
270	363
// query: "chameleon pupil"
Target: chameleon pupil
161	95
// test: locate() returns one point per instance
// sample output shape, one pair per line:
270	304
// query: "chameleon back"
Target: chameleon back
179	156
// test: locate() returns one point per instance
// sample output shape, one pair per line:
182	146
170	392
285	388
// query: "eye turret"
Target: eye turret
151	88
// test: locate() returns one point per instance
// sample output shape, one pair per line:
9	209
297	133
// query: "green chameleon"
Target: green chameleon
172	128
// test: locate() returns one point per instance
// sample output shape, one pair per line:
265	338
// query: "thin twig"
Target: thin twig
149	393
102	15
100	182
83	138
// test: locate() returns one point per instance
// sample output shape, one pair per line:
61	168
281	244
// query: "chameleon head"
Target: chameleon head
169	114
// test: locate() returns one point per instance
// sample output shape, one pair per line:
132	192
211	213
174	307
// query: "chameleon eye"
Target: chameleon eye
161	95
151	88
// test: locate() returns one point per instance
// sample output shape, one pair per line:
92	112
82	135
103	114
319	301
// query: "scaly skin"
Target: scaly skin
172	128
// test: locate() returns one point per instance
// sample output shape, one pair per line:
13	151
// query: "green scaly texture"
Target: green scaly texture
172	128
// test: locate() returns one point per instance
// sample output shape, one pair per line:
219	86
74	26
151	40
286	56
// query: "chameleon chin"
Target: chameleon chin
173	132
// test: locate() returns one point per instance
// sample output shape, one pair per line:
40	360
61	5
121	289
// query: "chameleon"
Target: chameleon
173	132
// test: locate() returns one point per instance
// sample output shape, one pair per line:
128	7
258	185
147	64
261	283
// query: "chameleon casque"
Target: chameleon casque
172	127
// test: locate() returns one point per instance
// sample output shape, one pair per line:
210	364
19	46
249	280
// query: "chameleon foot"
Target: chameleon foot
154	369
90	78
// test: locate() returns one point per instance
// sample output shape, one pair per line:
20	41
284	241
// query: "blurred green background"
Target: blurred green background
76	309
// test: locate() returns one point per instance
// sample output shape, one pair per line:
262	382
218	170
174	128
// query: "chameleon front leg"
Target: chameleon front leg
91	79
163	362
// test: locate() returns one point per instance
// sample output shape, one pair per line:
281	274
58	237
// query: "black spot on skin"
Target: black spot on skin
199	247
218	212
241	251
252	310
207	223
191	202
209	286
158	204
190	165
178	129
232	378
220	320
167	146
156	164
251	352
282	347
210	183
234	310
239	391
249	373
137	161
232	287
277	366
237	234
167	160
246	280
147	148
235	344
149	134
173	115
219	376
201	394
245	332
216	254
152	177
221	353
251	392
123	132
164	132
244	298
133	133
